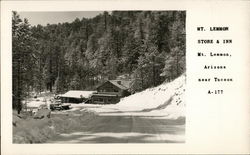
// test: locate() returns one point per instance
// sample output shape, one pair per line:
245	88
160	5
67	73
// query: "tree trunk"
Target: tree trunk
40	70
87	32
50	72
142	82
105	21
177	65
19	87
154	83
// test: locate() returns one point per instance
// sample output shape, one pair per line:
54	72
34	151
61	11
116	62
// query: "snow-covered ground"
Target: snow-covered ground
36	102
167	100
155	115
44	98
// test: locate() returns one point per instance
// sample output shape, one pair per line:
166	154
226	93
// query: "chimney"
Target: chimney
119	82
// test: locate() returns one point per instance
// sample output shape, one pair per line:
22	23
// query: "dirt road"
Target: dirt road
126	128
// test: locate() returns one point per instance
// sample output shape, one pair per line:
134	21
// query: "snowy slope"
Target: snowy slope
153	97
168	98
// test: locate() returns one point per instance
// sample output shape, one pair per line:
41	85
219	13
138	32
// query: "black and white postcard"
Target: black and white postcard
123	77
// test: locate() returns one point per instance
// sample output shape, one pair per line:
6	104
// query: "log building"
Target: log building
111	91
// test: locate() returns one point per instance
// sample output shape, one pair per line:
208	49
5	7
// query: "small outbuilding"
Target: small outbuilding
76	96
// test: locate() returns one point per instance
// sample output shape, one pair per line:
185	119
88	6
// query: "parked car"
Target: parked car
57	105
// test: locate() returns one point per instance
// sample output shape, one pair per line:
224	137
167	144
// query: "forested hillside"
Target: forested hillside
146	46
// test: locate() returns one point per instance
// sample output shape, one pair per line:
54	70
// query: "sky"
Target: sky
44	18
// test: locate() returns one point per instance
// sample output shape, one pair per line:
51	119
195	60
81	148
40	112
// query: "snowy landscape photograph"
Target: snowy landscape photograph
98	77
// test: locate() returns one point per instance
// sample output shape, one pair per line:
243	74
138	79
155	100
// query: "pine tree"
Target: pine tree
175	61
23	60
149	45
75	82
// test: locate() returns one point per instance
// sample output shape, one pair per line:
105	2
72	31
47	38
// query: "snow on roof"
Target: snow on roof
78	94
122	84
102	94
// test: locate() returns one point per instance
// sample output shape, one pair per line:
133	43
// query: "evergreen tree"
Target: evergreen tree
147	45
75	82
22	59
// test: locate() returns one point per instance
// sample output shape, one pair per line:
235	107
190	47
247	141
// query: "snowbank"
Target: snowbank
166	95
165	100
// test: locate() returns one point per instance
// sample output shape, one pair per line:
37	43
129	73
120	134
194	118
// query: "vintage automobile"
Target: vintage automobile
57	105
